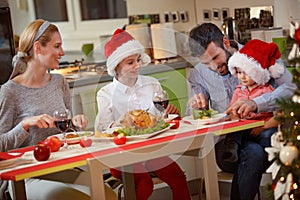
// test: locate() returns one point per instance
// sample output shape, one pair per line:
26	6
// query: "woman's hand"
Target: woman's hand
171	109
41	121
80	121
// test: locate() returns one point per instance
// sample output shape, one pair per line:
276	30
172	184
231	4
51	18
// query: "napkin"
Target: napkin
7	155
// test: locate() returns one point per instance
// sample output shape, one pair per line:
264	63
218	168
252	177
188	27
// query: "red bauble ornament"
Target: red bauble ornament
297	36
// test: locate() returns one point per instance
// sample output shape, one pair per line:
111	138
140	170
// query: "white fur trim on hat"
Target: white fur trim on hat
127	49
250	66
276	70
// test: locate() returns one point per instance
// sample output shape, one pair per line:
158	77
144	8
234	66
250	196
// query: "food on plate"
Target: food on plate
71	135
120	139
140	119
135	122
74	137
203	114
99	134
139	122
41	152
78	134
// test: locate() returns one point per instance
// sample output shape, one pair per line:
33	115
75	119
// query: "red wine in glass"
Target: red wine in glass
63	124
62	121
161	105
161	101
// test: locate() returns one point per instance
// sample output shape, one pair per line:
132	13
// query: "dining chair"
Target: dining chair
117	183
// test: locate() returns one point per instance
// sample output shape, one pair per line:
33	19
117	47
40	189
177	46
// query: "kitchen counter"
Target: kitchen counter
86	77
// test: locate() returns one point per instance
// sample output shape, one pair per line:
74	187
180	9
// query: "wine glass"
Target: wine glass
161	101
62	121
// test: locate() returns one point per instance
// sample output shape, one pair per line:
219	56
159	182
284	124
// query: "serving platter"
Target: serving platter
213	119
132	137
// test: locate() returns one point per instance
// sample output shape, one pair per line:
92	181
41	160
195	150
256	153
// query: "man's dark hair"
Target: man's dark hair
201	36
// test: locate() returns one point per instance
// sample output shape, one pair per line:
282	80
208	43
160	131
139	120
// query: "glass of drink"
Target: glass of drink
161	102
62	121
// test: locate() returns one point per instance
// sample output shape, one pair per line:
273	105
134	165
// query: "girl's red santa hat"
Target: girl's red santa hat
258	60
120	46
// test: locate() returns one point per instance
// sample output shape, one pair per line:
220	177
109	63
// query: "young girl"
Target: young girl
130	91
254	65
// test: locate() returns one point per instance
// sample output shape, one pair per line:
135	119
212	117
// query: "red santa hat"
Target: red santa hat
120	46
257	60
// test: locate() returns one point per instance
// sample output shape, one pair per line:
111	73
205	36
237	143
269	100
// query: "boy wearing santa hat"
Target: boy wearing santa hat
254	65
130	91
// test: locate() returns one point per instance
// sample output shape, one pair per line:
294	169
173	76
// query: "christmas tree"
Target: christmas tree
286	142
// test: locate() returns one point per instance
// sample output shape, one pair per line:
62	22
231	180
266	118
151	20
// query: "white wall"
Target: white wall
286	10
20	18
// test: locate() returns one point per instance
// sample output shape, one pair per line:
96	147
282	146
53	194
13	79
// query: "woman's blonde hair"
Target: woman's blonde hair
35	31
28	35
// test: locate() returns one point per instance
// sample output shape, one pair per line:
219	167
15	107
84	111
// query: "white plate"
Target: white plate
76	140
170	117
132	137
213	119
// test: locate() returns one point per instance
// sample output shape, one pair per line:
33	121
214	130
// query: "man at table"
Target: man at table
212	85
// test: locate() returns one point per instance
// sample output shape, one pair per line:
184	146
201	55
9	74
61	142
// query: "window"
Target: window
89	9
102	9
57	12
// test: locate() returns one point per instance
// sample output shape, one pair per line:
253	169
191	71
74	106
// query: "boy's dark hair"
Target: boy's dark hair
201	36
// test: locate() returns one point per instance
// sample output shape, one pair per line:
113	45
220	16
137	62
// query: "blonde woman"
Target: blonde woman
33	94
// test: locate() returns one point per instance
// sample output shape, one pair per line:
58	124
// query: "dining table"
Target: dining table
189	139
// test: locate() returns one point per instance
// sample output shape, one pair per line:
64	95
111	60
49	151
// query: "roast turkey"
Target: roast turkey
140	119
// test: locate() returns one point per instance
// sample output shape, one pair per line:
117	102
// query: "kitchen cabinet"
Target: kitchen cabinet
84	101
174	82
